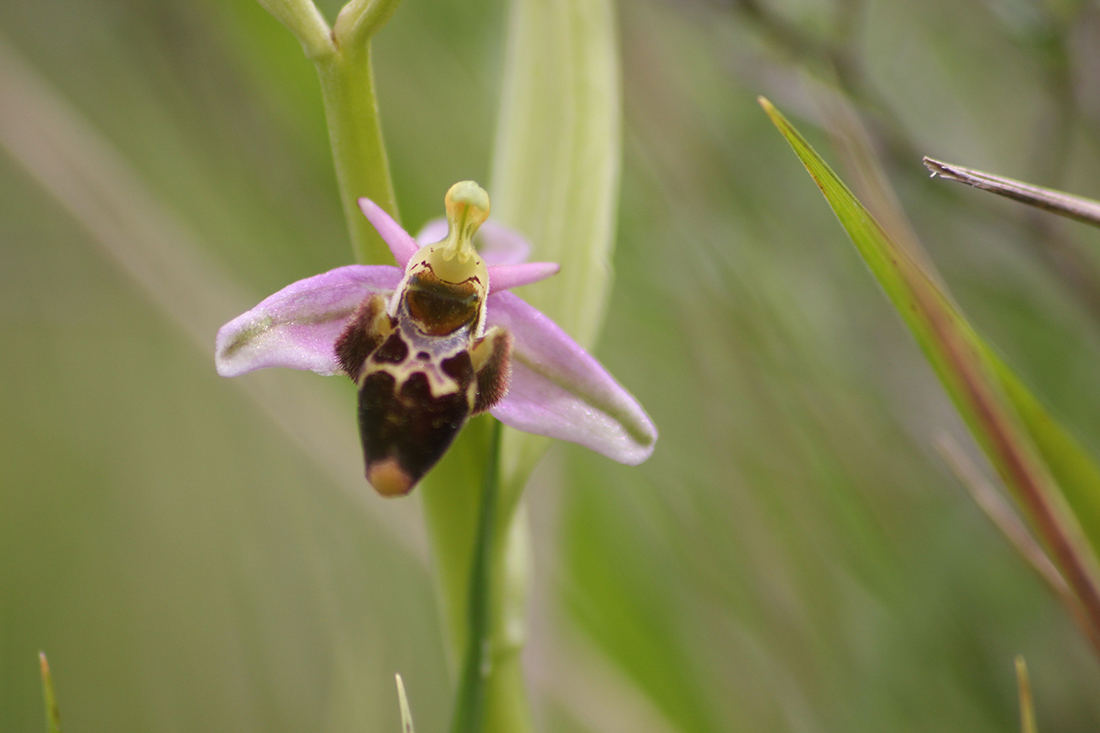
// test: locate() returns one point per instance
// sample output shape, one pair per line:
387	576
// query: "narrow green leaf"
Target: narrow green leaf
1074	469
53	715
557	155
555	175
1052	476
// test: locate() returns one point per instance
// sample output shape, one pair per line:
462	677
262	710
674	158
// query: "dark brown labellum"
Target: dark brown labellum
422	373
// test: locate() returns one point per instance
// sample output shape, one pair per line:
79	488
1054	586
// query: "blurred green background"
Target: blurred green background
199	554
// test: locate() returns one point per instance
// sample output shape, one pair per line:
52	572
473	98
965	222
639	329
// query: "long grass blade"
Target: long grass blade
1052	477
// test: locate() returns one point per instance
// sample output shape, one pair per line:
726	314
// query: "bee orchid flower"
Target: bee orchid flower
438	339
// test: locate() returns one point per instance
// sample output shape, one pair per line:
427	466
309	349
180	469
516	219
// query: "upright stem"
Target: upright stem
555	178
362	168
507	707
491	694
342	57
470	702
480	542
482	563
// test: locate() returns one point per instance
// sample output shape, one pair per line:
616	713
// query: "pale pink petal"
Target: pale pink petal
560	391
499	245
400	243
297	327
432	232
505	277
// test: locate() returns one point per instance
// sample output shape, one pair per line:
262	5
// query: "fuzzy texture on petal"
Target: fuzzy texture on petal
297	326
560	391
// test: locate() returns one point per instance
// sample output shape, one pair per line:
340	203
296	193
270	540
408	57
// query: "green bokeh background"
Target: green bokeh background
199	554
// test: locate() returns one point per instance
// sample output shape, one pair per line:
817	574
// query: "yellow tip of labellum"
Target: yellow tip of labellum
389	479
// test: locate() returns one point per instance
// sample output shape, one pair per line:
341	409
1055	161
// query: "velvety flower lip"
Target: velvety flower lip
557	388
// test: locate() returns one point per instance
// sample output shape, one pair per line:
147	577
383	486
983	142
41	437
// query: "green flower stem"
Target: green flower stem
506	702
342	57
362	168
483	579
359	20
302	18
555	178
450	498
469	712
481	552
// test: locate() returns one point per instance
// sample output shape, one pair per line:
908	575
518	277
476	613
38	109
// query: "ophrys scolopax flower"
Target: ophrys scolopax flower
437	340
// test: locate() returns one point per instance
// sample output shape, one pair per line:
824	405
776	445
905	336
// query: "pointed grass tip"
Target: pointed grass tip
403	701
1027	703
53	714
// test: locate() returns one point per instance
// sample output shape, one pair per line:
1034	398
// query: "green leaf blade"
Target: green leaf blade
1073	468
1051	475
